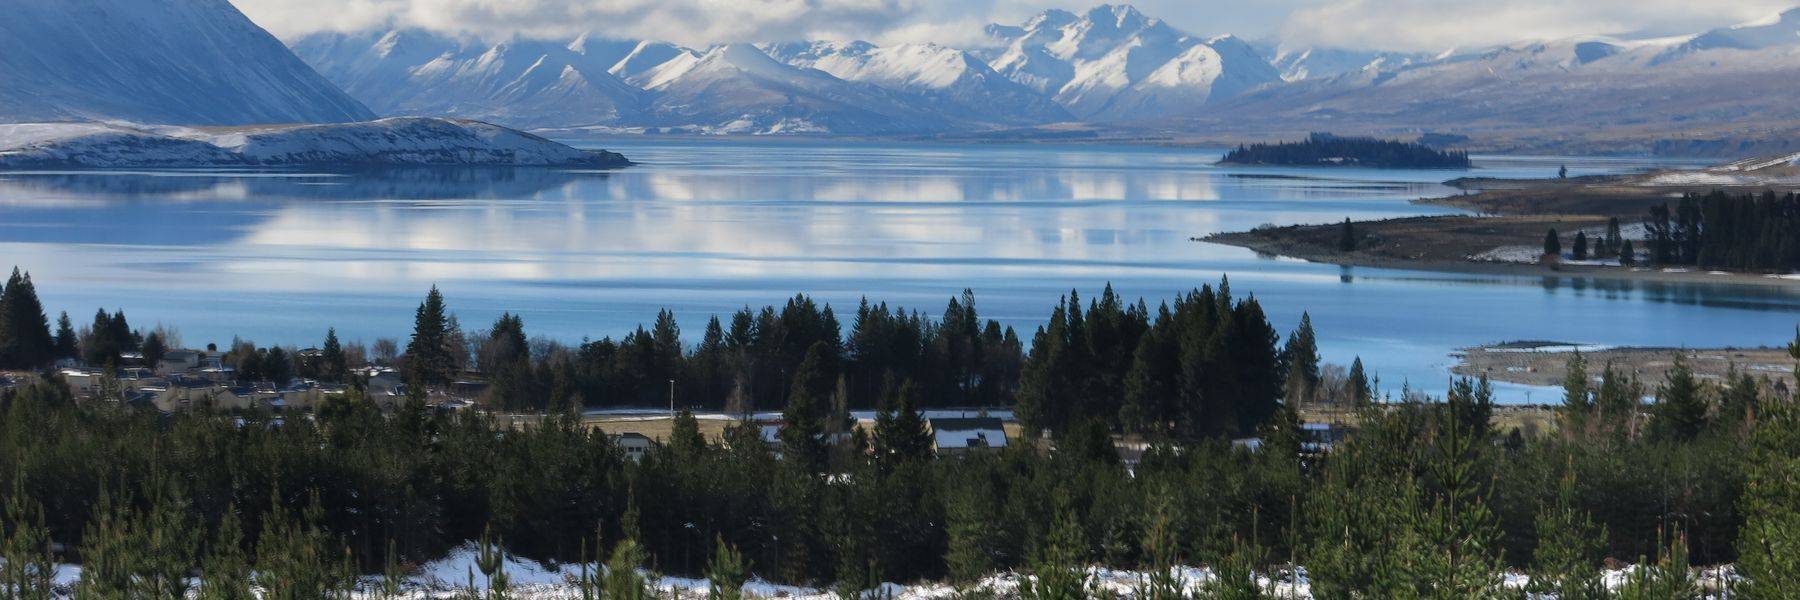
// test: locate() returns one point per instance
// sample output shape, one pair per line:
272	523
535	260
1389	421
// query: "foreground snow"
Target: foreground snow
449	576
386	142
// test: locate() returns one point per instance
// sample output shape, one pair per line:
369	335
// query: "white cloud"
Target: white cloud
1440	24
1387	24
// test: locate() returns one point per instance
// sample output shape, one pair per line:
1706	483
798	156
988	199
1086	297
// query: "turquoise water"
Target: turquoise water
705	226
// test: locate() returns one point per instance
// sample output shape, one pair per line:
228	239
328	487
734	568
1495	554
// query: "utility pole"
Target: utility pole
671	398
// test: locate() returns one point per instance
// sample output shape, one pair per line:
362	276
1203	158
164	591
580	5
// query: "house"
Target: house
962	435
180	361
1319	438
635	445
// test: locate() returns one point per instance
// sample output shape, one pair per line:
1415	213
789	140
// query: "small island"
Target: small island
391	142
1326	150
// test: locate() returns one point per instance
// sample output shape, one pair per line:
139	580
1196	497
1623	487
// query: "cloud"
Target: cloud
1385	24
1433	25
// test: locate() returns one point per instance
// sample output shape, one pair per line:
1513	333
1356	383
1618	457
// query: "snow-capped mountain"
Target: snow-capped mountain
1114	63
387	142
738	88
1321	63
1780	30
519	82
648	59
949	80
1733	83
162	61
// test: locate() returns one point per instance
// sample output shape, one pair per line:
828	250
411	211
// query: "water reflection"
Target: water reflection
706	226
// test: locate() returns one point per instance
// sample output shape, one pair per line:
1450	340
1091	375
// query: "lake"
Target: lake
706	226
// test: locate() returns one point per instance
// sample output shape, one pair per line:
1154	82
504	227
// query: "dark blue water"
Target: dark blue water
705	227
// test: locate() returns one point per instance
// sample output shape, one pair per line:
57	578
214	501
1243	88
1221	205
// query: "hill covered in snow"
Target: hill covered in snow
383	143
190	62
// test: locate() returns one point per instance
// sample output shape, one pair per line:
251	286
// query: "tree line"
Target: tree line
1424	500
1748	232
1329	150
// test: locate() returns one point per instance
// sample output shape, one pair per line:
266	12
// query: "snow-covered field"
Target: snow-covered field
385	142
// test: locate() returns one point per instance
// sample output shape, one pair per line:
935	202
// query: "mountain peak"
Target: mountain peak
1122	16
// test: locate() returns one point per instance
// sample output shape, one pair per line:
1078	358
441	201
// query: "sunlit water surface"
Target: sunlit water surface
705	227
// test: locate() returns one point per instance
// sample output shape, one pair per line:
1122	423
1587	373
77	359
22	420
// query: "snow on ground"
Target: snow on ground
531	581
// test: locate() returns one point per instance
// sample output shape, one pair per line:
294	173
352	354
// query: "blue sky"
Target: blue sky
1385	24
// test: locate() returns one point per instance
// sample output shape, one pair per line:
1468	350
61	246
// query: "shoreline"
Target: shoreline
1502	213
1273	247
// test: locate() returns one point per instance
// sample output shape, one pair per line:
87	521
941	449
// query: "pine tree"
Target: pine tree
154	349
803	421
295	558
901	433
1552	244
1578	400
1627	254
25	341
27	565
970	525
491	560
1058	569
1361	394
333	366
1769	542
67	343
225	573
1668	577
1680	404
726	573
1347	236
1570	545
1581	246
427	360
170	544
1162	553
110	550
1455	540
1301	360
685	440
623	582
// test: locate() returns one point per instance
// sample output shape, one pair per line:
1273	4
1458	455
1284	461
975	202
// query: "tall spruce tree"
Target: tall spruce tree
1300	359
901	434
1552	244
428	361
68	344
1361	394
25	341
1347	236
1578	400
803	421
1580	251
333	366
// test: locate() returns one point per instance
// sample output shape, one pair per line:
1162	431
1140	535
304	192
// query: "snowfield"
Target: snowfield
386	142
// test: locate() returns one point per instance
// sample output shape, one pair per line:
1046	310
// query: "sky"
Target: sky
1413	25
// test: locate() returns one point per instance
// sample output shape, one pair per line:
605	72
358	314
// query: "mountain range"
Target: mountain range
198	62
1110	70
